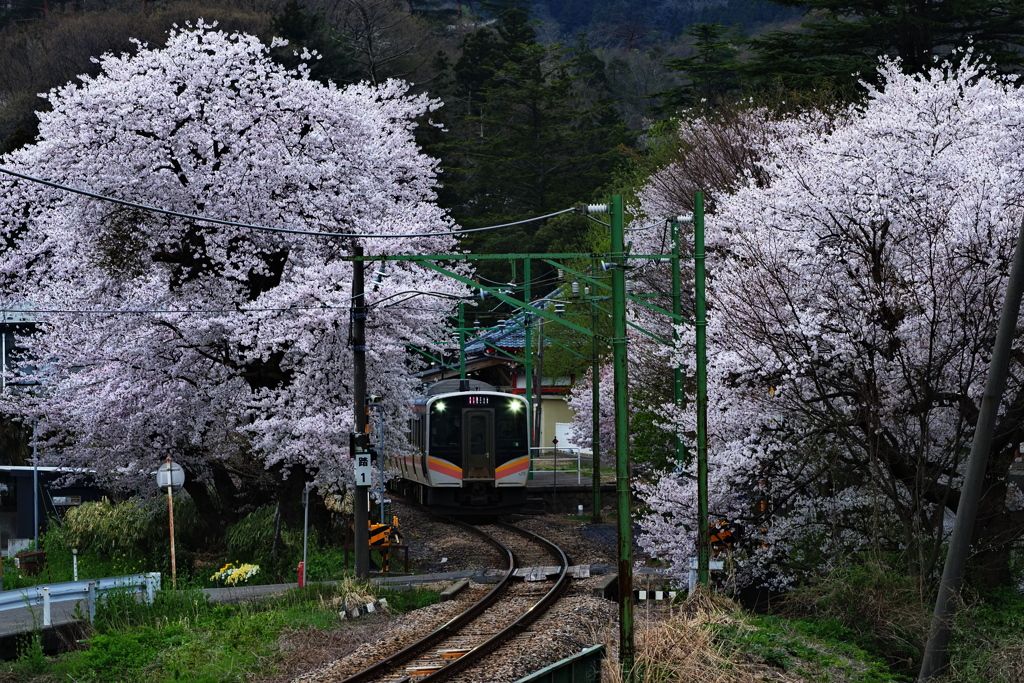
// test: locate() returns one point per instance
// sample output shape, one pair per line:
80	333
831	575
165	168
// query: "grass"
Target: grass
987	643
183	637
709	639
819	651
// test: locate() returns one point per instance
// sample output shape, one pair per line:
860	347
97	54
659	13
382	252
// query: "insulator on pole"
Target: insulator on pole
595	208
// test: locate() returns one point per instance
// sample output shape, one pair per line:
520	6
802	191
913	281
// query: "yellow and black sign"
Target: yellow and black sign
382	537
724	536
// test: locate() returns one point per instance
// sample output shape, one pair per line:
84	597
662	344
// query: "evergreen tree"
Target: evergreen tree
304	30
842	40
712	71
526	137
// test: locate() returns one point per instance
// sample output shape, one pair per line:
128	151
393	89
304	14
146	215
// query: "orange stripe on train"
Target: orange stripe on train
444	467
513	467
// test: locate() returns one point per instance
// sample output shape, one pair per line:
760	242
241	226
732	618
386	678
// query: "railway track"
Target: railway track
496	617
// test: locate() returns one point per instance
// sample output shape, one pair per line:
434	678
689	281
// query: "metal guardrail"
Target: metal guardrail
43	595
561	455
584	667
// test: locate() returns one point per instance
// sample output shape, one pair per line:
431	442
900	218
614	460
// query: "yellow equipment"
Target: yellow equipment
382	536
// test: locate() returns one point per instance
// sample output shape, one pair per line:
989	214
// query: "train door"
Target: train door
478	445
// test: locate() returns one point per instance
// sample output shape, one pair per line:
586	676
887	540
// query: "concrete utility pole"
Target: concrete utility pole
361	516
934	660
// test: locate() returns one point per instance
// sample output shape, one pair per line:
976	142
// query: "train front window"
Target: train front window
445	426
510	427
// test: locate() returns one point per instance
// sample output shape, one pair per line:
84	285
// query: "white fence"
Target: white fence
559	457
34	596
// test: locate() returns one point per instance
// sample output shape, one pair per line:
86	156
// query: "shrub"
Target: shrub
252	538
987	640
879	604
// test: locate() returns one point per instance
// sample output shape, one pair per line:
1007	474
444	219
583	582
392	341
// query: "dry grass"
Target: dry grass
679	647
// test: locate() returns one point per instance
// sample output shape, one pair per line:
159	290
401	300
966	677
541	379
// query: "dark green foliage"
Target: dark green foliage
803	648
305	30
529	136
878	602
31	658
987	640
842	39
184	637
652	447
129	537
712	71
252	538
122	656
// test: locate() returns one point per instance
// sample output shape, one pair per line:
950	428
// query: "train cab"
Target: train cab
471	449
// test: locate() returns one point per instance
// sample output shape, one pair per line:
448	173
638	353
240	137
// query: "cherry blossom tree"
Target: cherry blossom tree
857	277
225	347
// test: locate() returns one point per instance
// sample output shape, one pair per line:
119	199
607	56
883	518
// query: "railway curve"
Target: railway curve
498	616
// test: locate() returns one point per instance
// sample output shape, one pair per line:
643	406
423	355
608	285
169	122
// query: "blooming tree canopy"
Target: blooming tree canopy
856	283
225	347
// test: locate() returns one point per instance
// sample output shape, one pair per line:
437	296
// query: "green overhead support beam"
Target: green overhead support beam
512	301
469	257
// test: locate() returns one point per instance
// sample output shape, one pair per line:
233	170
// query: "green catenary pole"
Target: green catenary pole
703	531
677	312
462	340
528	352
622	478
595	370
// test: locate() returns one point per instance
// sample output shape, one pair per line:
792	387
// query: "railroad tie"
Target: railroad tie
423	669
579	571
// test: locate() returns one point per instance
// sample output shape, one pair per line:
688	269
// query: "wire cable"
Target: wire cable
343	304
250	226
145	311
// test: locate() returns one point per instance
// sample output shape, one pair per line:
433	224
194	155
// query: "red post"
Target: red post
302	574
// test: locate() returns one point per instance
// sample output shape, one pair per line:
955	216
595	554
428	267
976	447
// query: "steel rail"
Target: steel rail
478	653
415	649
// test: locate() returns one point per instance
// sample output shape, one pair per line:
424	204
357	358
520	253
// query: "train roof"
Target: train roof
451	386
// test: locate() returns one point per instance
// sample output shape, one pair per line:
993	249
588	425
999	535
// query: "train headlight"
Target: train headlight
515	406
439	406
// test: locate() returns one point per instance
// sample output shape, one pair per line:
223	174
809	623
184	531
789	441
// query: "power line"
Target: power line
250	226
143	311
343	304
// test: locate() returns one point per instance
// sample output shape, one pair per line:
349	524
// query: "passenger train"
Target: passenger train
470	450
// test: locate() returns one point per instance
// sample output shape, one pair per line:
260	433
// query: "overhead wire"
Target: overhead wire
251	226
344	303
